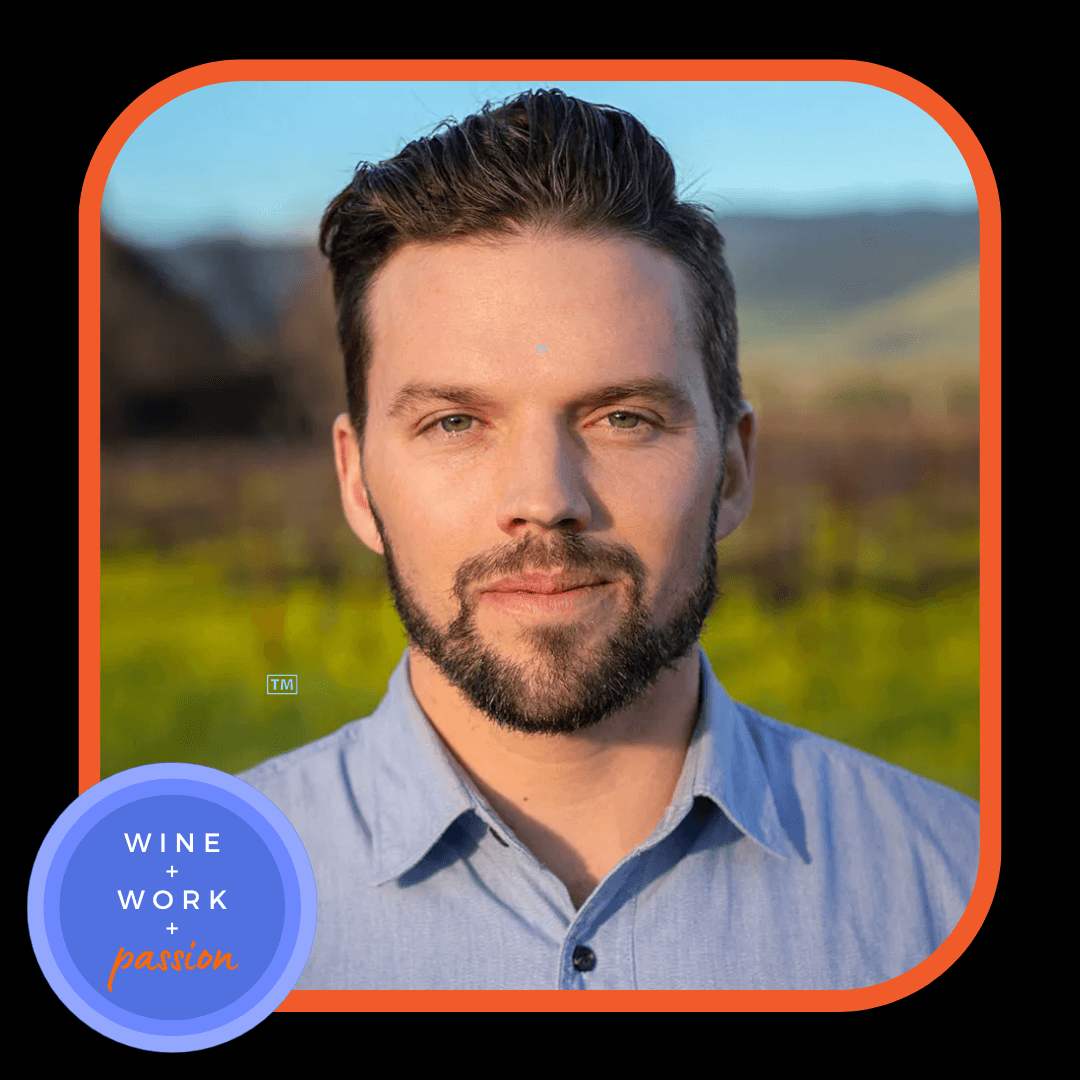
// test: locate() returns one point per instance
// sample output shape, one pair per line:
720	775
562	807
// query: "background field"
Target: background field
849	601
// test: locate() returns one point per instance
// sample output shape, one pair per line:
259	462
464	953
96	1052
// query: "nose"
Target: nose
543	486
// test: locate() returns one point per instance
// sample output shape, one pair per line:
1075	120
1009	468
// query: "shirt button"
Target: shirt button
584	958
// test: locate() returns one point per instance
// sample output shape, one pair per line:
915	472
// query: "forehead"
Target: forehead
520	312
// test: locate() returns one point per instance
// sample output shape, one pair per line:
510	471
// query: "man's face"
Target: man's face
541	469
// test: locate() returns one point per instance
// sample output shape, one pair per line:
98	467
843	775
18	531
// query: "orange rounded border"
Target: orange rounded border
548	71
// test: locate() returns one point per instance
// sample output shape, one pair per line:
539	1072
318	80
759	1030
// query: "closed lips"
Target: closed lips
545	583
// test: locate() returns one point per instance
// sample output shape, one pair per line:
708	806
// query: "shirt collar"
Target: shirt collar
403	780
410	791
724	764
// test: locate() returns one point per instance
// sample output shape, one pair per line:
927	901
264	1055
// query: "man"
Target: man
546	439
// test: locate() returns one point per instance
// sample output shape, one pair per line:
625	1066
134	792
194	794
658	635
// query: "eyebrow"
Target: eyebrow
662	391
416	393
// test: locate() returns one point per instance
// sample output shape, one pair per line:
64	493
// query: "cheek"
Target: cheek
431	531
672	502
415	505
670	534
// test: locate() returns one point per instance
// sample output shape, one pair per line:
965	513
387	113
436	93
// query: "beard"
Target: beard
568	687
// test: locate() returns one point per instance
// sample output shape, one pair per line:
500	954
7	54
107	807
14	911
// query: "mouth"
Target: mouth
545	596
545	584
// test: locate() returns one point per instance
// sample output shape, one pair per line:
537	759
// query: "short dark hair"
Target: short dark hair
542	161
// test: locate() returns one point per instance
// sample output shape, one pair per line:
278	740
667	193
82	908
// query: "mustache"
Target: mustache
561	551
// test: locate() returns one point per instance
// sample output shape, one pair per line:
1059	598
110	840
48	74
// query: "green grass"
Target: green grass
185	655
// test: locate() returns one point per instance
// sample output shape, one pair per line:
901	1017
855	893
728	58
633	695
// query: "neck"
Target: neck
579	802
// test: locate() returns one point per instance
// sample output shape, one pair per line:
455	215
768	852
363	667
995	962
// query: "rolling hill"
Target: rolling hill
922	344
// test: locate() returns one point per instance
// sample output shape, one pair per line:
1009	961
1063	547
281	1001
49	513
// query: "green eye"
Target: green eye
624	420
456	424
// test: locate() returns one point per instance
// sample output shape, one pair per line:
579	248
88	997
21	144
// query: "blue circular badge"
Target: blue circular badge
172	907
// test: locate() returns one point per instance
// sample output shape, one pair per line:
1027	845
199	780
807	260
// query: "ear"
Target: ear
737	494
354	498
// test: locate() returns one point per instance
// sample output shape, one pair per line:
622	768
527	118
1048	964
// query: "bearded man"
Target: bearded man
546	439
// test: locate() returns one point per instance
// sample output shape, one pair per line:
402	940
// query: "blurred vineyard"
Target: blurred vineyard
849	600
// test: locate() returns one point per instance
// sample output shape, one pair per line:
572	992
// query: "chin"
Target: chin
552	648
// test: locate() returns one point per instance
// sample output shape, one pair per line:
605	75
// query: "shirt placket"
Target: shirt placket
598	950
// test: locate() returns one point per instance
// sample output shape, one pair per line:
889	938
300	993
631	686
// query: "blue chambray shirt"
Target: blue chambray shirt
785	861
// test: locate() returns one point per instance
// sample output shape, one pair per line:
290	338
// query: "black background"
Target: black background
64	140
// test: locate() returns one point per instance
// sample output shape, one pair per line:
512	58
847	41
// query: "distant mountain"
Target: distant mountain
921	345
842	263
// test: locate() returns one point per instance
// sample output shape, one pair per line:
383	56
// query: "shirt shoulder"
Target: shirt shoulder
774	736
825	787
303	778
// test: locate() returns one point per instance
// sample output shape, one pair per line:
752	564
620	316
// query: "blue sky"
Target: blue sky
262	159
